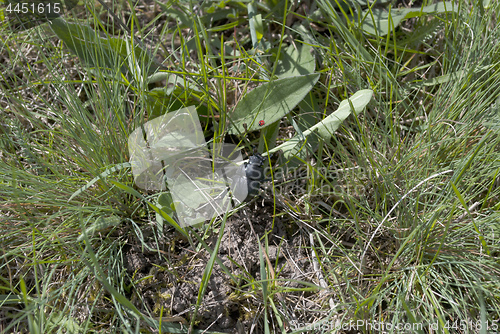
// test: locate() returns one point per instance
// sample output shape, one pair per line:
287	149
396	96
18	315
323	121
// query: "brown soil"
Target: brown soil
229	304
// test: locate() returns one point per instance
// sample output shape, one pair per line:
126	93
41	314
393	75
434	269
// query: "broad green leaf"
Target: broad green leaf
255	24
270	102
295	61
382	21
96	51
259	27
328	126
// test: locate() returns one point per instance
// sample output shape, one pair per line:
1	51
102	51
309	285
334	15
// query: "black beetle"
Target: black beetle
251	179
254	170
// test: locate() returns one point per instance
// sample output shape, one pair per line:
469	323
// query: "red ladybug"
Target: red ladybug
261	122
